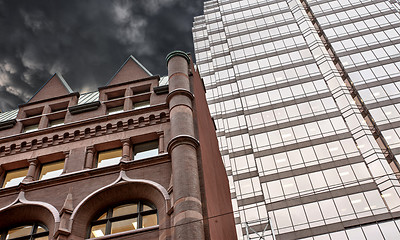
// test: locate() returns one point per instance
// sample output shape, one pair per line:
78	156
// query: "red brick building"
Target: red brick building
134	160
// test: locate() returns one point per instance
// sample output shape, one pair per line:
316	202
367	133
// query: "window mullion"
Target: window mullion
34	229
140	209
108	224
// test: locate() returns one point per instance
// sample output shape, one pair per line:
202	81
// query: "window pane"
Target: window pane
140	105
372	232
145	150
13	178
110	157
124	210
31	128
115	110
19	232
56	122
98	231
40	229
124	225
103	216
51	170
149	220
146	208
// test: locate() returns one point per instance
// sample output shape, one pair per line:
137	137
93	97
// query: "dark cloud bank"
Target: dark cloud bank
86	40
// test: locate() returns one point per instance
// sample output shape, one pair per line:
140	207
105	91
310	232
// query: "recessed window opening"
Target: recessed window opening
33	112
115	94
51	170
56	122
142	104
141	89
31	128
123	218
115	110
145	150
14	177
109	157
59	106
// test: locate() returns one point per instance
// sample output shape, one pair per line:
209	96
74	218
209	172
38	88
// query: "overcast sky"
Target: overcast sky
86	40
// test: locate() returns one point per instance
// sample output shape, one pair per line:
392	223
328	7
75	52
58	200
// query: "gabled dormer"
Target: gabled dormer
48	106
54	87
131	70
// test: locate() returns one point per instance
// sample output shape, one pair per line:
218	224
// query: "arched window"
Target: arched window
123	218
34	231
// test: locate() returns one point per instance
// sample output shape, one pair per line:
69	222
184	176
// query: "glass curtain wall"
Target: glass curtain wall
295	145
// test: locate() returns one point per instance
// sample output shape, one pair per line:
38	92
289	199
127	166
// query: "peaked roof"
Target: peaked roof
132	69
54	87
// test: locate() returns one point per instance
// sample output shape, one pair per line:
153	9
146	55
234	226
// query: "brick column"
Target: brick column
89	157
128	100
187	216
66	158
31	170
44	120
126	147
160	142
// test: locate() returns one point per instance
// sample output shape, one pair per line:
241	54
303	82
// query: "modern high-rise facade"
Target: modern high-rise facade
305	95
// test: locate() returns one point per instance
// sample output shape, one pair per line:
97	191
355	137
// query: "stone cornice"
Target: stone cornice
177	53
161	89
84	107
86	121
73	134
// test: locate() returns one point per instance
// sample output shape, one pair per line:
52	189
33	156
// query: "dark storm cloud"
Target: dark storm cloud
86	40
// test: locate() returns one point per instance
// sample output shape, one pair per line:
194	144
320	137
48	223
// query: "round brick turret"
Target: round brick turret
187	216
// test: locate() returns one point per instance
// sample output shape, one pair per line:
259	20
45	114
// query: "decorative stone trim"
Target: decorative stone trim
31	170
179	91
182	139
84	133
177	53
161	89
21	201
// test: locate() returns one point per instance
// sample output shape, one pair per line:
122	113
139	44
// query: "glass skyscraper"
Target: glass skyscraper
305	95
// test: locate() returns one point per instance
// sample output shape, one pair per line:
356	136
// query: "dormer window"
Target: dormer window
115	110
31	128
115	94
59	106
56	122
142	104
141	89
33	112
